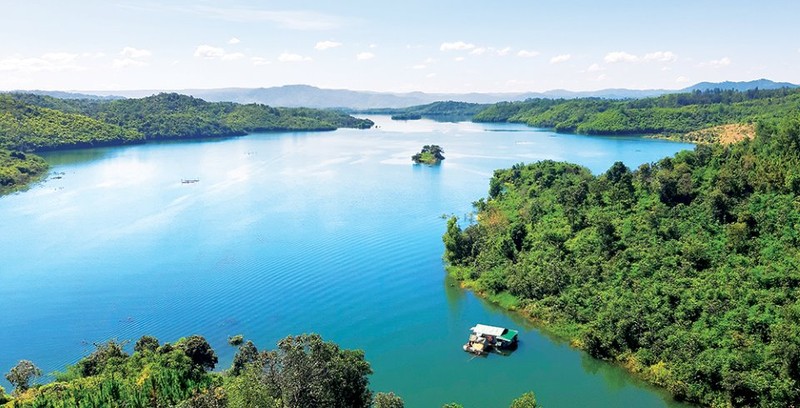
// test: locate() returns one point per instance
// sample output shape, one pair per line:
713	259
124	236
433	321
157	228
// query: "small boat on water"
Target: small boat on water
483	338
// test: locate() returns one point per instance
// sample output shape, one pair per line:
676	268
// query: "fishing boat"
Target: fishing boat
483	338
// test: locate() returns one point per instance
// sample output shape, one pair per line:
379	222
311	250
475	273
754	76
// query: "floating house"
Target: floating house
483	338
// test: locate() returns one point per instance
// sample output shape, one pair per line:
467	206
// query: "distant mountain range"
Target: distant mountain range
313	97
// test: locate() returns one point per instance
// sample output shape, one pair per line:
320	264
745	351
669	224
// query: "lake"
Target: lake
335	233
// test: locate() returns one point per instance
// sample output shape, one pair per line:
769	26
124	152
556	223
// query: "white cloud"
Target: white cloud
458	59
373	46
478	51
662	56
289	57
51	62
602	77
431	75
504	51
419	66
595	68
258	61
620	56
681	80
560	58
527	53
325	45
135	53
208	52
363	56
456	46
234	40
718	63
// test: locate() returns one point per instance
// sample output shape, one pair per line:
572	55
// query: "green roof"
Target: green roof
509	335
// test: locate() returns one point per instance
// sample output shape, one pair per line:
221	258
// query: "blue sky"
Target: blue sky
430	46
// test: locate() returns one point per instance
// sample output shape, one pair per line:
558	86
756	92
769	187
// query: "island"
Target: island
430	155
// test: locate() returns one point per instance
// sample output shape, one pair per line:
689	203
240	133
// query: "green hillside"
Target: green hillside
686	271
667	114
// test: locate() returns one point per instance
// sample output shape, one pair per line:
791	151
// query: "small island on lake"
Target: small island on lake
430	155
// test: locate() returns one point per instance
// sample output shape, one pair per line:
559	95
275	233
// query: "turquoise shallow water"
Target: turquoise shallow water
328	232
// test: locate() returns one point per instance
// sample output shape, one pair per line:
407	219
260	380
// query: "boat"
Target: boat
483	338
189	181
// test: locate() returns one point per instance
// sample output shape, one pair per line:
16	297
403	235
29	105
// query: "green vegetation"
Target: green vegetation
17	169
406	116
667	114
304	371
31	123
430	155
685	271
448	111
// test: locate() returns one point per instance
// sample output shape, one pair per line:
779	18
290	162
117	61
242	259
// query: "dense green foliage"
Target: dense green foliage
686	271
17	169
31	123
672	113
430	154
304	371
442	111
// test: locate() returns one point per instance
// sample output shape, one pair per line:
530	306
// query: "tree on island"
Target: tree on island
430	154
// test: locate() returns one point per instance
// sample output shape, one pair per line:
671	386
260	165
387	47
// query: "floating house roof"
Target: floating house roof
482	329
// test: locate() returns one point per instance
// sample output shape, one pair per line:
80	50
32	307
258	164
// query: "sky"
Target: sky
399	46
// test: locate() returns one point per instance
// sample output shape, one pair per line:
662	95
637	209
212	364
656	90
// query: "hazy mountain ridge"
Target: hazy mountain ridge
313	97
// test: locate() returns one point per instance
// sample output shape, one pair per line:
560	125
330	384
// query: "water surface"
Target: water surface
329	232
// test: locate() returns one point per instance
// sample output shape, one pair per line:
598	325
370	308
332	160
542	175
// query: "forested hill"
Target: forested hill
30	123
667	114
686	271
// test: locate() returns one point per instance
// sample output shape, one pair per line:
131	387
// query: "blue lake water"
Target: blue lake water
285	233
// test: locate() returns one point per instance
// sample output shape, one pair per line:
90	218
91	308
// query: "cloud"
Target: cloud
661	56
50	62
131	57
289	57
363	56
135	53
504	51
681	80
595	68
456	46
458	59
620	56
419	66
718	63
234	40
206	51
478	51
325	45
431	75
527	53
259	61
657	56
560	58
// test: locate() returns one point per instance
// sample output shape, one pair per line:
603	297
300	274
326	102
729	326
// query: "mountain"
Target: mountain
740	86
313	97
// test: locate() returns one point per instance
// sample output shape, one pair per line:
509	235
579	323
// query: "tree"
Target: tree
20	375
146	343
247	353
105	354
527	400
236	340
199	351
311	372
388	400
